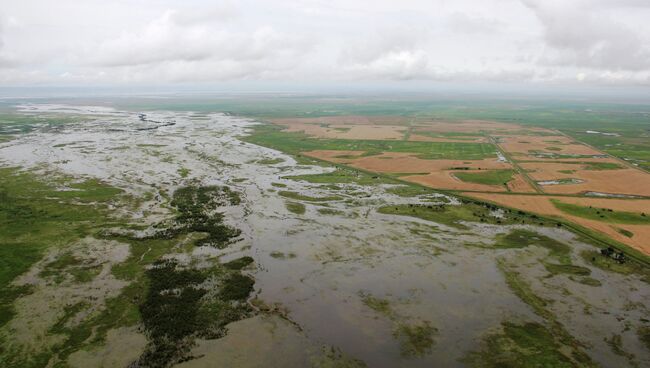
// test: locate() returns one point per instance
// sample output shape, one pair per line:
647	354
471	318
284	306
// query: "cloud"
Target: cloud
170	41
474	24
578	35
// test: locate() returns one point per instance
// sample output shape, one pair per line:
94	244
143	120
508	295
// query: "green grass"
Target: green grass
302	197
627	233
409	190
451	215
295	207
594	258
602	166
491	177
183	172
602	214
520	238
295	143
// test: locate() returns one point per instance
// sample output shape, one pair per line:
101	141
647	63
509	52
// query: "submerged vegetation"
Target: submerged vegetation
415	339
303	197
174	303
36	216
520	346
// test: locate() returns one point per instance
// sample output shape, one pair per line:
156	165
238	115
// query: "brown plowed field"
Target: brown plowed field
519	185
339	131
623	181
542	205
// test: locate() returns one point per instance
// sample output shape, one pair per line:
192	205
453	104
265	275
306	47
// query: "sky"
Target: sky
164	42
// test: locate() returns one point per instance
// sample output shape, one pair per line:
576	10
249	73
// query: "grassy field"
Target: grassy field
452	215
603	214
491	177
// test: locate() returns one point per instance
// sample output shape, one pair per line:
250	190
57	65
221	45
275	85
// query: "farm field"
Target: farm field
171	234
473	155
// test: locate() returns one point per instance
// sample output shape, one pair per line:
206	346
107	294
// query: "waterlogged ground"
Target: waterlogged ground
341	277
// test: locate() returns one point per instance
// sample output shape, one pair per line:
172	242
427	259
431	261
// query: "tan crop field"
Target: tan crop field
560	145
528	160
342	131
543	205
346	120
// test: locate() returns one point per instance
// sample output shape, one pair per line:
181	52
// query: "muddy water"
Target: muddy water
426	271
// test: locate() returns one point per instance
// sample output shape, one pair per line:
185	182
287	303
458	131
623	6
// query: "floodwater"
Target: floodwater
427	272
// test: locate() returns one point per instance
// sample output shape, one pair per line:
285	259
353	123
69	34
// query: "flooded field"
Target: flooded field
346	273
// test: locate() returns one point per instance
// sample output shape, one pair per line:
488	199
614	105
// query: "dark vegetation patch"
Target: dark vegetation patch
239	263
625	232
282	255
237	287
295	207
197	212
489	177
330	212
177	309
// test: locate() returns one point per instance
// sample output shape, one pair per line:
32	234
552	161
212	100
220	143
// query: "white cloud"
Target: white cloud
169	41
579	35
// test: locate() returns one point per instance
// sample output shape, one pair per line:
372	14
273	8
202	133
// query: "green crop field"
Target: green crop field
603	214
491	177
